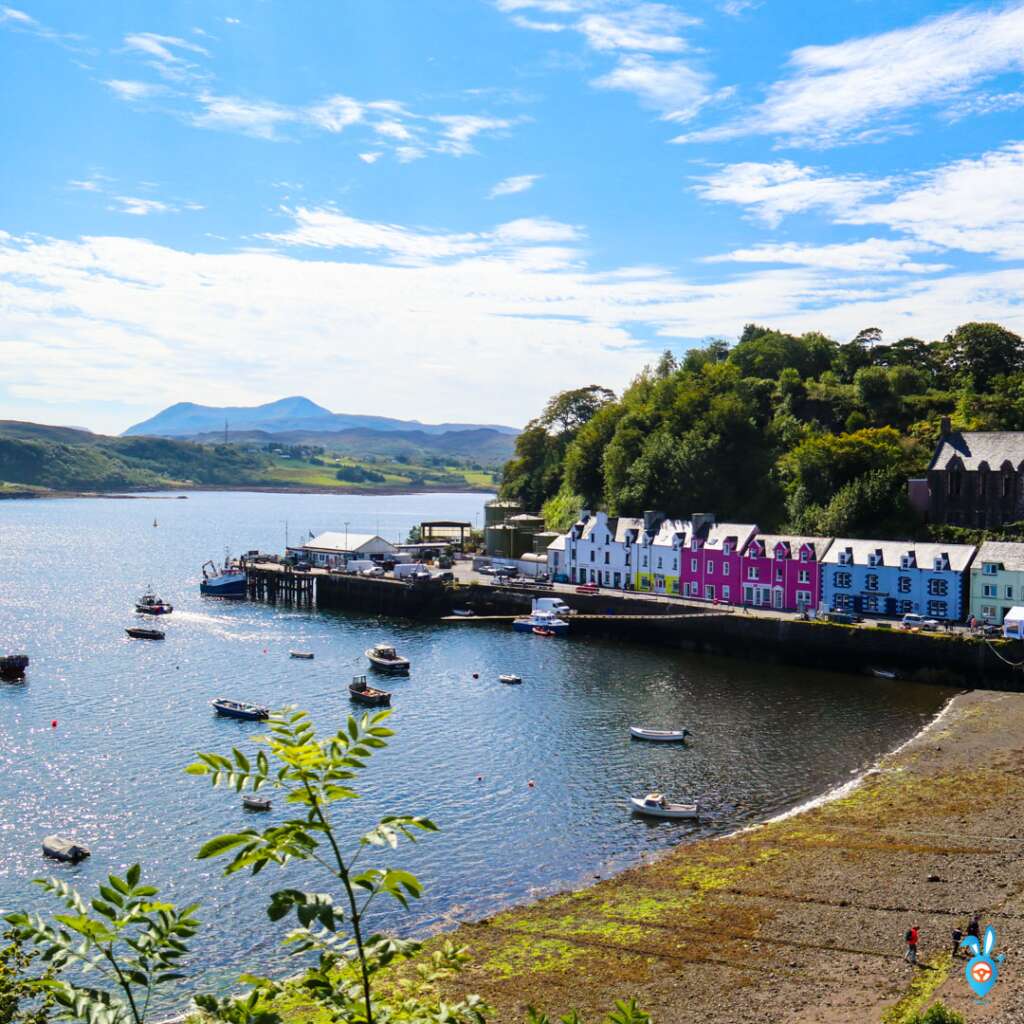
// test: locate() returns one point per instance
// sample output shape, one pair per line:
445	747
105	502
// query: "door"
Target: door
777	598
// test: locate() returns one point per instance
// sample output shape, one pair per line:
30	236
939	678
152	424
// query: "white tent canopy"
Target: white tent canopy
1013	623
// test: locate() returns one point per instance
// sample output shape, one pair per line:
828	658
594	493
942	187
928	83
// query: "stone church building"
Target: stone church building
976	478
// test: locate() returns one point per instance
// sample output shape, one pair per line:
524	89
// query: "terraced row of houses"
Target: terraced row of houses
737	564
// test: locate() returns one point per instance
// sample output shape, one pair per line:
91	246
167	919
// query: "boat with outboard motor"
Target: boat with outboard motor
362	693
656	806
638	732
228	581
143	633
150	604
385	658
12	666
240	709
540	619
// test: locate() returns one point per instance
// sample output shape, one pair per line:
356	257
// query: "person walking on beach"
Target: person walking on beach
958	936
911	939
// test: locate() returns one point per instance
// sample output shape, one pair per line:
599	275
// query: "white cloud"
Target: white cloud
392	129
336	113
164	56
516	183
973	205
12	14
735	8
881	255
857	90
772	191
649	26
85	185
257	118
140	207
538	26
371	158
672	88
132	91
459	130
232	21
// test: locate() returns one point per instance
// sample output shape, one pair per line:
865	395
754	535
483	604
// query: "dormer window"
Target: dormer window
804	555
695	546
726	548
780	553
906	561
846	557
990	568
875	558
940	563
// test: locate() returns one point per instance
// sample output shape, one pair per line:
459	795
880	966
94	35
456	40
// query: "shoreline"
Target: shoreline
176	493
800	917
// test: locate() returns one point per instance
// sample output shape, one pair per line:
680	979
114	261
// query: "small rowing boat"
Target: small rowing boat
304	655
362	693
656	806
543	631
63	849
659	735
12	666
239	709
385	658
142	633
463	613
251	802
510	679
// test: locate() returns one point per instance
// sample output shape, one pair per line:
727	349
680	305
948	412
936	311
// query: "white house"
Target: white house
600	549
333	549
557	568
661	543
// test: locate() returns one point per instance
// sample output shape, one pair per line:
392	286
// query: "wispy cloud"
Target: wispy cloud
672	88
19	21
165	56
872	255
133	91
371	158
137	207
516	183
459	130
859	89
651	27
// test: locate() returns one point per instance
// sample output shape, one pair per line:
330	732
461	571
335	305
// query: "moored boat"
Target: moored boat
304	655
240	709
510	679
543	631
12	666
656	806
228	581
67	850
362	693
143	633
385	658
150	604
659	735
251	802
883	673
541	620
463	613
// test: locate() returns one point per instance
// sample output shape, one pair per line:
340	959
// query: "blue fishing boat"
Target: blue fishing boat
239	709
544	621
226	582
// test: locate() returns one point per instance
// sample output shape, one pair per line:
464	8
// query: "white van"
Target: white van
409	569
555	605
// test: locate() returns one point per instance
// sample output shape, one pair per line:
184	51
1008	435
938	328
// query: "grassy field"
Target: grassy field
301	473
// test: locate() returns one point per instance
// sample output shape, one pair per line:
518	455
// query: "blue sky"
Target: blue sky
450	210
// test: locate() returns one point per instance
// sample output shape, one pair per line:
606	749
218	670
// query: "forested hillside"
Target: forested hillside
801	432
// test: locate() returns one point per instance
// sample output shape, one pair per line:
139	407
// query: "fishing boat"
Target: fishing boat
543	631
304	655
12	666
510	679
228	581
239	709
656	806
150	604
362	693
539	619
251	802
659	735
142	633
385	658
67	850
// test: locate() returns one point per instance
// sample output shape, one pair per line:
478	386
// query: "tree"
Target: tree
569	410
983	351
874	392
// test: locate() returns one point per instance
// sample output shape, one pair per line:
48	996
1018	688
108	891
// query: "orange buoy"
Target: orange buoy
53	724
530	783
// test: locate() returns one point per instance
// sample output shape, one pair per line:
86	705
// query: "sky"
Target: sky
450	210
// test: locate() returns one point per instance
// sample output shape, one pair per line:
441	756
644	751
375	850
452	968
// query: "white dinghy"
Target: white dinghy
659	735
656	806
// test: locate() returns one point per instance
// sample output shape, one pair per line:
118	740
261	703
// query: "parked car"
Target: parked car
445	577
418	577
587	588
506	570
914	621
486	570
374	570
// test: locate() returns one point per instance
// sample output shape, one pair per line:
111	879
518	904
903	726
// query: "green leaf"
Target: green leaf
221	844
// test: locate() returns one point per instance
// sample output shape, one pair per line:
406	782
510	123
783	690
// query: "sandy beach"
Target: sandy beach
802	919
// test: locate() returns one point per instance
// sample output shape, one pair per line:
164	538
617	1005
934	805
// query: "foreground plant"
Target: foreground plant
133	942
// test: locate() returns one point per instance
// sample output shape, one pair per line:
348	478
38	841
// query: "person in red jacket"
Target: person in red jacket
911	939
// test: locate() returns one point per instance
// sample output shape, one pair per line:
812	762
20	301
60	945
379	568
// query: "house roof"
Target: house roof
667	530
1009	556
770	540
617	526
340	541
976	446
558	544
959	555
720	532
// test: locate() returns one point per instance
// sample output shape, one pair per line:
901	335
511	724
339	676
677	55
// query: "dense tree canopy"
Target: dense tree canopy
797	431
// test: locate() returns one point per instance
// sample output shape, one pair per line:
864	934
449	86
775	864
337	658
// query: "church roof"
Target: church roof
975	447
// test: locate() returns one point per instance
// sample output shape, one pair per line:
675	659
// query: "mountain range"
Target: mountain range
186	419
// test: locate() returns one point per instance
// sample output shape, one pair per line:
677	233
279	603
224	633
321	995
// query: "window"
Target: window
842	580
990	568
874	558
843	602
709	592
592	554
871	581
725	568
846	557
803	598
607	539
955	483
675	563
938	588
988	611
904	607
937	609
804	555
780	554
645	560
940	563
779	574
804	576
989	590
659	561
709	568
906	562
693	565
725	593
1009	593
903	584
871	603
695	546
1007	485
726	548
753	573
606	557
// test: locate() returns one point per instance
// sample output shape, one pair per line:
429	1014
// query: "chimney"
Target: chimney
651	519
701	521
945	427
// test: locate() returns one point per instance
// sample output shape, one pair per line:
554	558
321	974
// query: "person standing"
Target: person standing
911	937
974	928
958	936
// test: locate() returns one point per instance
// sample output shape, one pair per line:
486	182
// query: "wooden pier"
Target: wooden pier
280	584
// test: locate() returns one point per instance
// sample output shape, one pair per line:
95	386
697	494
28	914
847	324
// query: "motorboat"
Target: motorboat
143	633
239	709
229	581
362	693
543	631
67	850
150	604
304	655
385	658
12	666
656	806
251	802
659	735
510	679
539	619
463	613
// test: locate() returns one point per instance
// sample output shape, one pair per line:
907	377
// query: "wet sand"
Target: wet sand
802	919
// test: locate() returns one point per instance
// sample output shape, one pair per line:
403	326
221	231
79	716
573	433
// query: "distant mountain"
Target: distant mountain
186	419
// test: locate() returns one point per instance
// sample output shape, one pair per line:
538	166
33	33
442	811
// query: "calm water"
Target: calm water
131	714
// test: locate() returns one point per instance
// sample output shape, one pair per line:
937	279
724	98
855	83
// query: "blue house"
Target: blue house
894	577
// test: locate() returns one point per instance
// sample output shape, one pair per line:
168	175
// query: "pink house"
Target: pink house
782	572
710	563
